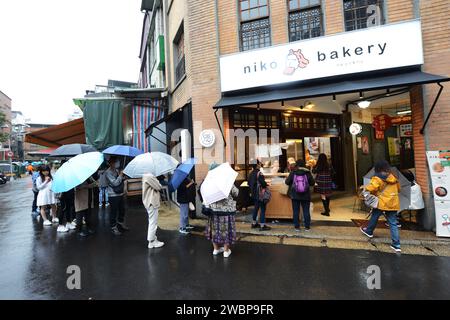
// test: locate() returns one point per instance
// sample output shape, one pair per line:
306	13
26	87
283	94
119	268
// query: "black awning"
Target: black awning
359	83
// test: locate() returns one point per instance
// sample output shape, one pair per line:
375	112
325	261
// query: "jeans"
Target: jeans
260	205
117	213
306	214
392	220
34	205
184	215
152	224
103	194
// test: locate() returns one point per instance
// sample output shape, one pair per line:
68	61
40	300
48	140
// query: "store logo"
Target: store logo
295	60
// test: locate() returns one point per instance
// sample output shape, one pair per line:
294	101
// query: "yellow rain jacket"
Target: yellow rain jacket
386	191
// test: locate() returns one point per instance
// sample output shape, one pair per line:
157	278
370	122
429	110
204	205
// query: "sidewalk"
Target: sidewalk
328	236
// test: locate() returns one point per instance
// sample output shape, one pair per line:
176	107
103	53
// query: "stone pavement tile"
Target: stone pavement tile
344	244
440	250
303	242
406	249
261	239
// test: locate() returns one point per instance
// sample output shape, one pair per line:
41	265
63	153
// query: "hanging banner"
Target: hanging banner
440	179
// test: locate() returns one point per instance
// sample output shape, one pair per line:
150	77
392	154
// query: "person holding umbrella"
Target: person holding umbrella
386	187
115	181
151	199
84	202
184	197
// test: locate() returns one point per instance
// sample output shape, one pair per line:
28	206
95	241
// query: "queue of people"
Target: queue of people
76	204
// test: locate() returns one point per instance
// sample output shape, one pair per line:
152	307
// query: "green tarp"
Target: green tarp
103	123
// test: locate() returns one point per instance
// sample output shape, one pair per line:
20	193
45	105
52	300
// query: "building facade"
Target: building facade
5	108
201	36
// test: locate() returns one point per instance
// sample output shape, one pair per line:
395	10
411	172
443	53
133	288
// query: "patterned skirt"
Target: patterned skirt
221	229
324	183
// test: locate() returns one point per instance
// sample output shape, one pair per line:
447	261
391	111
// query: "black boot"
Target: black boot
326	213
327	208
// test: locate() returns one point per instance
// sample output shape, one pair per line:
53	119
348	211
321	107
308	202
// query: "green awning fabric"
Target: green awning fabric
103	123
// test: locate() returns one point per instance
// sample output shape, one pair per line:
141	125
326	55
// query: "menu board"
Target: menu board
439	166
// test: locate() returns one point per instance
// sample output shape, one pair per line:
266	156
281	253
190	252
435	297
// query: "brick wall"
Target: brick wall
228	26
204	72
400	10
278	21
436	39
334	19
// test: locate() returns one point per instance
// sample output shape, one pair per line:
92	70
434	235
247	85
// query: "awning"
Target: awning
56	136
362	82
42	152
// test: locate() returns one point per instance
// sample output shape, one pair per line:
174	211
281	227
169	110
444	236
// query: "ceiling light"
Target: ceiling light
404	112
309	105
364	104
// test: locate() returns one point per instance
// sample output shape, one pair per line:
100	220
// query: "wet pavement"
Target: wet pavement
34	261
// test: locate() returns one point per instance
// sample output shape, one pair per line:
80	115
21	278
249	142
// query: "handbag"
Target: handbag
371	200
264	193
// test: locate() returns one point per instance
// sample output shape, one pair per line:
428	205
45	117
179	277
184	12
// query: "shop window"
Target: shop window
267	121
255	24
360	14
305	19
180	69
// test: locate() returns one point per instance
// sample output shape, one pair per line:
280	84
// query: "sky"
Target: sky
52	51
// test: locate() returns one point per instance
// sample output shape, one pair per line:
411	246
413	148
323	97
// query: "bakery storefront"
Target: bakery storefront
346	95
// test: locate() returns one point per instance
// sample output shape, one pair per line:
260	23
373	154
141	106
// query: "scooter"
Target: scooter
3	178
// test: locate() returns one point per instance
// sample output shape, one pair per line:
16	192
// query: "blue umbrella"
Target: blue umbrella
181	173
75	171
123	151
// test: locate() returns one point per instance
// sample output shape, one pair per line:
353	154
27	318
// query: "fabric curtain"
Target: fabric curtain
144	115
103	123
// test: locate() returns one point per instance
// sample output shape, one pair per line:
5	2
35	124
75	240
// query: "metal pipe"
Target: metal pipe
220	127
432	107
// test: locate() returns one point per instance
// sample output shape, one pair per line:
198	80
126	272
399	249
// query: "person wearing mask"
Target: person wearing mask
46	197
221	225
84	202
299	182
115	180
256	181
324	182
151	199
386	187
184	196
34	207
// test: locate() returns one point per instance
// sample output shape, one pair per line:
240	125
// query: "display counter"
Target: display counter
280	206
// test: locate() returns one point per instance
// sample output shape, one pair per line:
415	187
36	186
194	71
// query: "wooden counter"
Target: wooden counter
280	206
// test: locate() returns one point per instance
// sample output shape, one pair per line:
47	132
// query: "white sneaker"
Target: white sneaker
155	244
55	220
61	229
74	223
47	223
216	252
84	221
226	254
70	226
107	205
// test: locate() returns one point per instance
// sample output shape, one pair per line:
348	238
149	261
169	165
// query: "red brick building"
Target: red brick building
202	35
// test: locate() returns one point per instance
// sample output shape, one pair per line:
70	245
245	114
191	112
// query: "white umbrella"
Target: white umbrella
218	183
156	163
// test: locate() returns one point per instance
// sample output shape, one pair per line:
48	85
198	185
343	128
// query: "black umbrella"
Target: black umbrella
71	150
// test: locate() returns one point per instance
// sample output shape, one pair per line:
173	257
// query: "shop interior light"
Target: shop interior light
404	112
309	105
364	104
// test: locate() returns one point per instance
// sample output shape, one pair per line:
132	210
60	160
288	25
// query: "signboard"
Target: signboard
355	129
382	122
401	120
375	48
10	154
406	130
438	164
207	138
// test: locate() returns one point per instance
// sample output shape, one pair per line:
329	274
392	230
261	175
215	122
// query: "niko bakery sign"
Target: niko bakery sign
375	48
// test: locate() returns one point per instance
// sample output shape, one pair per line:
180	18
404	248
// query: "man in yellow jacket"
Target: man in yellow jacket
385	186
